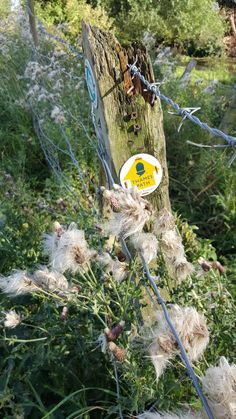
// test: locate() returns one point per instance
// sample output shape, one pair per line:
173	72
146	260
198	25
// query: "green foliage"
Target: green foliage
72	12
54	368
172	22
202	186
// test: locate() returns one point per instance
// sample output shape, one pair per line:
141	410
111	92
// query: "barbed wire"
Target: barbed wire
152	281
161	302
57	38
186	113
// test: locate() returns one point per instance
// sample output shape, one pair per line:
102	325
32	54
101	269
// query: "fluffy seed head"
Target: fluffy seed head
50	280
172	247
70	251
18	283
146	244
163	222
51	241
219	384
191	328
12	319
130	211
116	268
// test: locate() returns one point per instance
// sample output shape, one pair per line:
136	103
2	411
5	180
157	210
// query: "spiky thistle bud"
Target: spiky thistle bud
113	334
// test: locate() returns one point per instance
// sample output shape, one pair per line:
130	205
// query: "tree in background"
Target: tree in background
172	22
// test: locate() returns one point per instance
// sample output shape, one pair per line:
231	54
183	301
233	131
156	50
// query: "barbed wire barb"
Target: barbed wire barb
184	112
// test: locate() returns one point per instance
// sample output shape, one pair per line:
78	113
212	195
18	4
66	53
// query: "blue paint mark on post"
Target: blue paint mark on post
91	84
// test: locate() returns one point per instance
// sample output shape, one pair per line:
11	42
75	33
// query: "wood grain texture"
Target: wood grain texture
118	96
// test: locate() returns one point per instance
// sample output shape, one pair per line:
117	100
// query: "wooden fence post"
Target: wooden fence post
127	117
32	21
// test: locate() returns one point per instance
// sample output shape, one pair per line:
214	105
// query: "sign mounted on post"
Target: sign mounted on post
143	171
91	83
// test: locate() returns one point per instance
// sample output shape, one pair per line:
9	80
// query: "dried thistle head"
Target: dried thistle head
172	246
191	328
50	280
71	252
146	244
130	211
219	384
163	221
116	268
18	283
118	353
174	254
12	319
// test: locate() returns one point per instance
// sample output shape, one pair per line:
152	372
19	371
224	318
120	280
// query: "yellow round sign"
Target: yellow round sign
143	171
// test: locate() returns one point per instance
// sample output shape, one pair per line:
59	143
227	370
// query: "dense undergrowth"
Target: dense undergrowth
54	368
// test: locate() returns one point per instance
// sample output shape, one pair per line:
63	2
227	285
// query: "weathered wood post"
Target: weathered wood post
127	117
32	21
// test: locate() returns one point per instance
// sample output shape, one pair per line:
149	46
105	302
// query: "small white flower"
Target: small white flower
58	115
12	319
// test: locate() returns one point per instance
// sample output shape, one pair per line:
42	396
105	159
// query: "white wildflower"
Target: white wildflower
12	319
116	268
18	283
191	328
58	115
69	251
146	244
130	211
219	384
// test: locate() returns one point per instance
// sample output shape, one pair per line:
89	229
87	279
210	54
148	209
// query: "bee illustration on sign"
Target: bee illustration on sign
91	83
143	171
